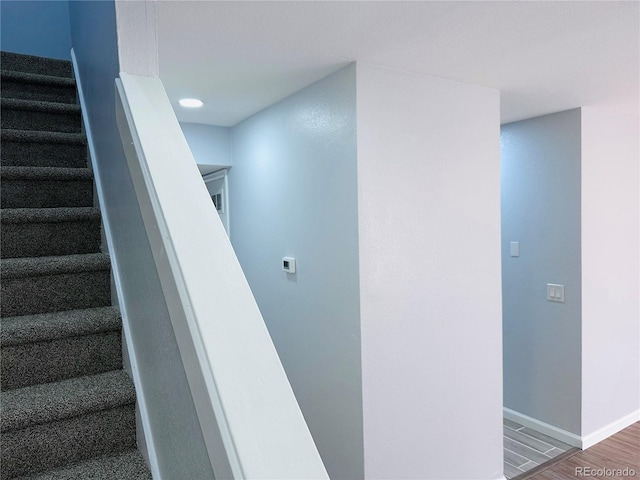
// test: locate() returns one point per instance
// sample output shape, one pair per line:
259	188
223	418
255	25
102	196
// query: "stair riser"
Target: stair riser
56	444
50	293
55	360
39	65
42	121
129	465
32	91
22	154
21	193
49	239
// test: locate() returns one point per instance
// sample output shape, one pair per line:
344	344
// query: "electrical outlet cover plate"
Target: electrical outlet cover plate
289	264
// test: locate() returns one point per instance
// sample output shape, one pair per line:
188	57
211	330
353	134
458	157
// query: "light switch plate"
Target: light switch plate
555	292
515	249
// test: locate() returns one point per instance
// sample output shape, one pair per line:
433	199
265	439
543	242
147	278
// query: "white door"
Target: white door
217	186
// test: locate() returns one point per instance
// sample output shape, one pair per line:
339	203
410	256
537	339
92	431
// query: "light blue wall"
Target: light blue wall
540	170
293	190
175	428
210	144
36	28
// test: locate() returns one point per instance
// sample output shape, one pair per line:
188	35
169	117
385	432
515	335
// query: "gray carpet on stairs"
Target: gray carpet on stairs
56	444
67	407
128	465
37	115
61	345
24	407
48	284
34	232
33	86
56	325
54	360
30	148
16	62
41	187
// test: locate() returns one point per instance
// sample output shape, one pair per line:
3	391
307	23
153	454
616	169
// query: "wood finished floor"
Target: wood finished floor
610	457
525	449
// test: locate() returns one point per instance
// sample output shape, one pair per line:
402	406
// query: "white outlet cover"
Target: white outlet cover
289	264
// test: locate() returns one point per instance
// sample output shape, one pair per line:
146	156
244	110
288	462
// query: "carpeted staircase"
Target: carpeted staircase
67	407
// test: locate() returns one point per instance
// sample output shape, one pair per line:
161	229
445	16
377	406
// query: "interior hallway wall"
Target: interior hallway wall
540	190
293	193
38	28
429	229
209	144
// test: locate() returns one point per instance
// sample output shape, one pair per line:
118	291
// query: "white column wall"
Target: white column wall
610	243
430	282
137	37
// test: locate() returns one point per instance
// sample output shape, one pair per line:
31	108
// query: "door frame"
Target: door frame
221	175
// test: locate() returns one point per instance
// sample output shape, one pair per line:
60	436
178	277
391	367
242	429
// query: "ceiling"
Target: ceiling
240	56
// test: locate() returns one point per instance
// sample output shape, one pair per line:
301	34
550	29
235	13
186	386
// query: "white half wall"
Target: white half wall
610	243
430	294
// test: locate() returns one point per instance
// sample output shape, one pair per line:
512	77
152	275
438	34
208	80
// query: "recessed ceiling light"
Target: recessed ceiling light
190	102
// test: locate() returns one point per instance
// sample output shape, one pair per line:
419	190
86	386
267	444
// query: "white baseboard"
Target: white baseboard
140	399
542	427
608	430
584	441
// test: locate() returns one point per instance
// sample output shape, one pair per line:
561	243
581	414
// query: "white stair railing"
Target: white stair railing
250	420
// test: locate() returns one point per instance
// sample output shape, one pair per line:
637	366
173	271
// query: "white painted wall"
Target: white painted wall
293	193
430	299
610	243
540	196
136	24
209	144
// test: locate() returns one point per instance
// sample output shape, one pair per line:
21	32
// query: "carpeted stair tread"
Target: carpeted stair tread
128	465
46	446
36	136
36	78
35	86
39	106
33	64
55	325
38	114
39	266
43	232
46	187
48	215
49	402
56	346
45	173
42	148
